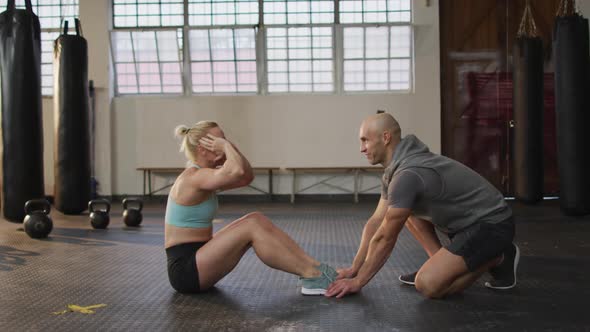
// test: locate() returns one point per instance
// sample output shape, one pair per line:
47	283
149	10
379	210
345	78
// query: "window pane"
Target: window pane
376	42
148	13
247	75
144	44
399	73
322	11
122	47
245	41
47	42
375	11
199	42
354	75
376	75
302	50
277	66
354	41
202	80
298	11
147	61
223	60
222	12
401	38
276	43
222	44
168	47
377	58
224	76
275	12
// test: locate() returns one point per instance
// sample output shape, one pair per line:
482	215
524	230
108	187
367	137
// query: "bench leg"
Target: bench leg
270	185
144	173
150	183
356	185
293	189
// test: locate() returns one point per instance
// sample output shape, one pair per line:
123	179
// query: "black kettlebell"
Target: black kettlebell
99	218
132	214
37	222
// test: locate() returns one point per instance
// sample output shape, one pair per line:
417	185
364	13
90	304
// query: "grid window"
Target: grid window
147	61
375	11
50	13
223	60
47	42
222	12
148	13
298	11
297	49
377	58
300	59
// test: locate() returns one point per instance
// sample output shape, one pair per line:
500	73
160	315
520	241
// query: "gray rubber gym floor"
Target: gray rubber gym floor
126	270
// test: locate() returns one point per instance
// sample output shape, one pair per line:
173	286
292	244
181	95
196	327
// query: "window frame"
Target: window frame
411	58
135	63
334	59
261	52
235	61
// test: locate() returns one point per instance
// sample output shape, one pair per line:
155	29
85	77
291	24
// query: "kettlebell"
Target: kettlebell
132	214
37	222
99	218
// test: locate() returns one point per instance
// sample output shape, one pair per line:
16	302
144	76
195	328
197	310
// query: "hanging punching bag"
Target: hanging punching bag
572	106
22	122
528	110
72	139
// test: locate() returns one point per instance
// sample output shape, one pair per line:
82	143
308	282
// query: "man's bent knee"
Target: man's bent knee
429	286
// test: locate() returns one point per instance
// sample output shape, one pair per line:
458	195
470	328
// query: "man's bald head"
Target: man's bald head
379	135
379	123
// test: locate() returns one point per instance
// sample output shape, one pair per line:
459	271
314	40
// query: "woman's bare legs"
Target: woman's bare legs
273	246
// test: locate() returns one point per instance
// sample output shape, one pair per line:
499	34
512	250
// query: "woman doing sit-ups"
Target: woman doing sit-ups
197	258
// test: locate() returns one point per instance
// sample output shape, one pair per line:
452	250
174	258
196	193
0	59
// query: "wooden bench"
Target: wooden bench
149	171
355	172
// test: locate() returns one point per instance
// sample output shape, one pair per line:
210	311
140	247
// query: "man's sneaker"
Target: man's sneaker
319	285
408	279
505	273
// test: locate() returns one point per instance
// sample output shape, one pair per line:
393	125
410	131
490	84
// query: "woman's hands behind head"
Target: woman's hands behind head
213	143
216	145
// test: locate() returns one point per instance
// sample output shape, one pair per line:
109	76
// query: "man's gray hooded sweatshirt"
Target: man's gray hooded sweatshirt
465	198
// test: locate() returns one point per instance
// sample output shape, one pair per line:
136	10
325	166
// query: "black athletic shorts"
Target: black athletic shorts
482	242
182	267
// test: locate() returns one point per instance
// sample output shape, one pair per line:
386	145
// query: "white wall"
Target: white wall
584	7
275	130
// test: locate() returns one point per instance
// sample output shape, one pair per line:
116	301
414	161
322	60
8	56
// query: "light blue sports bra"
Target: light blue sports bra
192	216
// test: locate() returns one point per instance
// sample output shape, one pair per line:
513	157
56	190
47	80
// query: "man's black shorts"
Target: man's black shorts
482	242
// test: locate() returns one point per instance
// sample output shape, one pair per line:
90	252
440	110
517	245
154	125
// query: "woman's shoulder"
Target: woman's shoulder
188	184
187	172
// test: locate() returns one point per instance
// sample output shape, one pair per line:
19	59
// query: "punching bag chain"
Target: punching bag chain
527	27
566	8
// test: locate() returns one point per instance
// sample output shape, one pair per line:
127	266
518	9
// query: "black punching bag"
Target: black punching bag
22	121
572	106
528	108
72	139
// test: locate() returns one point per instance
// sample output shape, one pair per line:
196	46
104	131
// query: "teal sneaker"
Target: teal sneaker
319	285
330	271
